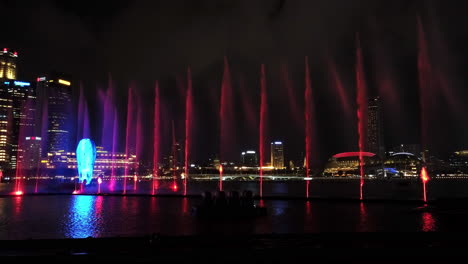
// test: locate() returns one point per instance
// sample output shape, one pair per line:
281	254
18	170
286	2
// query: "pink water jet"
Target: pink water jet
262	124
188	126
339	87
156	130
128	138
291	95
361	100
308	109
226	116
424	178
174	159
425	74
114	149
220	177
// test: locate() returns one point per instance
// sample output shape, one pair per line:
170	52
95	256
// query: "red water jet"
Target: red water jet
292	97
156	127
226	117
127	134
424	178
308	122
114	149
188	126
425	74
263	109
220	177
361	100
174	158
339	87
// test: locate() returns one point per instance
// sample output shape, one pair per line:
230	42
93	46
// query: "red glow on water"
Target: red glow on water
220	177
428	222
262	125
156	127
307	189
361	100
188	126
425	178
308	208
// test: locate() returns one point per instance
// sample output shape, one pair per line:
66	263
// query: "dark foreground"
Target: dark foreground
307	248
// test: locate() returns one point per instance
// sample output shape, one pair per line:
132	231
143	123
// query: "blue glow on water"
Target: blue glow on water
85	157
81	218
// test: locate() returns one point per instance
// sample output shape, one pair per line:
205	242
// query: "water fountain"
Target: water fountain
361	100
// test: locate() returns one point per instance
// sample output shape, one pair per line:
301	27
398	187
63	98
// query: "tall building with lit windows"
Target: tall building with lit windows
31	154
277	155
375	137
8	64
249	158
17	113
55	96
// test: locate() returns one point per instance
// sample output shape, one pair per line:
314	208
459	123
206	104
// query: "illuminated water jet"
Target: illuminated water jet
262	125
424	179
361	100
85	157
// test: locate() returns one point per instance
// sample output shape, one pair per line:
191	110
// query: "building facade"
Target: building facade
375	135
277	155
55	96
17	113
8	64
31	154
249	158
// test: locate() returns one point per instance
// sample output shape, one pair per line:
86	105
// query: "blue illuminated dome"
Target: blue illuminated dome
85	157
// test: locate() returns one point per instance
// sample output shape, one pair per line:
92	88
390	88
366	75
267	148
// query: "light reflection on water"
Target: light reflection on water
84	216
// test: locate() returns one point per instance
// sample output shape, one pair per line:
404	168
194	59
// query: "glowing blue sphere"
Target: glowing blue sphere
85	157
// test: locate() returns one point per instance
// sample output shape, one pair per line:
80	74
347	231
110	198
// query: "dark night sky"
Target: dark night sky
143	41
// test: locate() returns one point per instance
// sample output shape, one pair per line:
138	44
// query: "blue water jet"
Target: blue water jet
85	157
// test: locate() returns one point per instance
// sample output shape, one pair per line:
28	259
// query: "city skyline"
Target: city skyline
332	82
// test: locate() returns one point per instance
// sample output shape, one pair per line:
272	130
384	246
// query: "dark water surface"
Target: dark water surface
81	216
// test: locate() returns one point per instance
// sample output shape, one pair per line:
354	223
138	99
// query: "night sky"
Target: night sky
144	41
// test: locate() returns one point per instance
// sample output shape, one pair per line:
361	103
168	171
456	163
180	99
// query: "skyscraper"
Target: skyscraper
249	158
277	155
54	93
375	139
17	112
8	64
31	155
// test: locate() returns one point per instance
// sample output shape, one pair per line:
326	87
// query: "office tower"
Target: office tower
249	158
277	155
54	94
375	138
31	155
8	64
17	112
